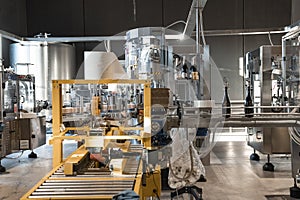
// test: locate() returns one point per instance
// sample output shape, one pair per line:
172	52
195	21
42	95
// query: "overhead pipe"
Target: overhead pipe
77	39
237	32
10	36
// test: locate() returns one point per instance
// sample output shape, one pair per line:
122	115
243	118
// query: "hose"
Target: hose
192	167
294	133
174	23
18	156
270	39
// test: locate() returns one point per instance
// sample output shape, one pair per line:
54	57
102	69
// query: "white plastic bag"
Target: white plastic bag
185	164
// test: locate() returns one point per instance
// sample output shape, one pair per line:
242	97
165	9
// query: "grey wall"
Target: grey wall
60	18
13	16
99	17
238	14
13	20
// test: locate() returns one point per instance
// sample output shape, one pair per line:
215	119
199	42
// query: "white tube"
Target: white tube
294	134
270	39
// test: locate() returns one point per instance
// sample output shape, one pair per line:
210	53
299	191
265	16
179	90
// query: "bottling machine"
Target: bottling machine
291	70
274	74
264	72
125	127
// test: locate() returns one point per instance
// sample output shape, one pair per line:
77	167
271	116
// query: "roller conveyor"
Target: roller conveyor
59	186
91	183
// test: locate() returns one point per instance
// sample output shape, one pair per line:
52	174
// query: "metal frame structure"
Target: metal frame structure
51	186
59	135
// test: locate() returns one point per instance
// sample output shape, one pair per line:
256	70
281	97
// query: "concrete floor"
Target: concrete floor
231	175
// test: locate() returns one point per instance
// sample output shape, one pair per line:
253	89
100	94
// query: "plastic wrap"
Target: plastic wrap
185	164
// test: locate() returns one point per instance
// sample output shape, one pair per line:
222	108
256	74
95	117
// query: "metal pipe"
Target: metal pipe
245	32
197	28
2	76
291	33
188	31
254	123
10	36
237	32
238	107
78	39
1	55
283	68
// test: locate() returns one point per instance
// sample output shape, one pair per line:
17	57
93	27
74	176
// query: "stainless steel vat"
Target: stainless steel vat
47	61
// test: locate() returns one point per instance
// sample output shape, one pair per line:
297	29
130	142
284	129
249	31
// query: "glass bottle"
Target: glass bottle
184	71
194	73
226	110
249	109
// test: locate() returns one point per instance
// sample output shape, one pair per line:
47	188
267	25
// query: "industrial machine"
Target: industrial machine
21	128
290	68
129	129
265	75
274	75
125	126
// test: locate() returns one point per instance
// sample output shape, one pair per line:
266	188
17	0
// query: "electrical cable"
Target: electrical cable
155	192
270	39
190	172
177	195
294	133
174	23
157	195
14	157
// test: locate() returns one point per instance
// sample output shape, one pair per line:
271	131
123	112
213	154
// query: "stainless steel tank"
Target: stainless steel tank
46	61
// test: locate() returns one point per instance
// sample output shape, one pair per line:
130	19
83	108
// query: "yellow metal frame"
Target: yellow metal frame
76	158
59	136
